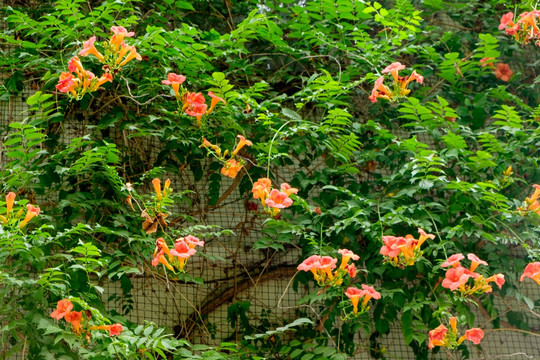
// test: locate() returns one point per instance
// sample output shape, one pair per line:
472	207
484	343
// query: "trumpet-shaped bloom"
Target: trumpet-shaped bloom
453	260
475	335
90	49
424	236
182	249
74	318
497	278
102	80
392	246
75	66
208	144
532	271
133	54
436	336
380	91
215	100
10	198
503	72
456	277
31	212
159	254
312	263
475	261
414	77
487	61
243	142
351	270
157	188
506	20
66	83
115	329
194	105
278	199
193	241
119	33
369	293
261	188
175	81
346	255
393	69
354	294
287	189
63	307
231	168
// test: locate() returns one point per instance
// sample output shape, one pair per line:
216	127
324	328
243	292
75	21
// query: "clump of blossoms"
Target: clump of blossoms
153	212
399	89
403	251
64	311
532	271
231	163
457	277
448	338
322	267
503	72
78	81
156	214
531	203
273	200
191	103
116	54
525	29
354	294
13	218
175	259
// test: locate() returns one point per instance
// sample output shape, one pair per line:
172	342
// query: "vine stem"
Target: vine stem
517	330
271	145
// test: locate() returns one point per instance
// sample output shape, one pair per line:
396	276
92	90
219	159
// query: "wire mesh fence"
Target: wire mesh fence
235	273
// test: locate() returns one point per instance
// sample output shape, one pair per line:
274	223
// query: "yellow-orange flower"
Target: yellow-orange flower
243	142
31	212
90	49
10	198
214	101
157	188
231	168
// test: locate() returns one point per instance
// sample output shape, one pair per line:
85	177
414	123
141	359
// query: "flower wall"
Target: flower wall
303	180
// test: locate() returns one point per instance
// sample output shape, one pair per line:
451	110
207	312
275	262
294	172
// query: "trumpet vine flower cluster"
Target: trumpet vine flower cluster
501	71
399	88
525	29
231	163
116	53
444	337
64	309
367	293
532	271
176	258
156	215
531	203
273	200
322	267
193	104
10	215
403	251
457	277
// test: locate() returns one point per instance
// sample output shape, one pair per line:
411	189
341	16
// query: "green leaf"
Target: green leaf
291	114
406	326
